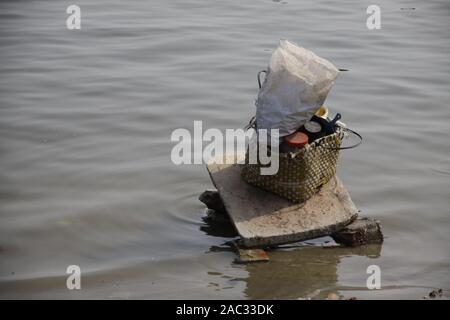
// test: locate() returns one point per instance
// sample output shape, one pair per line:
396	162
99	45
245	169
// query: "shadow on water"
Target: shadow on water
306	269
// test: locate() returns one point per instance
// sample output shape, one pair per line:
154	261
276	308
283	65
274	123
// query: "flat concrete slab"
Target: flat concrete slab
265	219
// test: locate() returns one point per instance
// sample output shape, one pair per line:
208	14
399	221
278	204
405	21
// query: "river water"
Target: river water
86	118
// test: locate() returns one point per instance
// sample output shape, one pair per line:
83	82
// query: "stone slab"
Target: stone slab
264	219
360	232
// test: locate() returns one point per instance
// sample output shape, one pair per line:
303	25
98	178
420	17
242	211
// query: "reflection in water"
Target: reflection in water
309	271
217	225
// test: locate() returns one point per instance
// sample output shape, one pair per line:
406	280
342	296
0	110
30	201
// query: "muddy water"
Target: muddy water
86	118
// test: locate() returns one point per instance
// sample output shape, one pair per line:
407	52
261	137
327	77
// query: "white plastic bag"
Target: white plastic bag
296	85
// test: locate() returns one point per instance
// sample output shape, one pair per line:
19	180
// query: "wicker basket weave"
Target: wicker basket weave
302	175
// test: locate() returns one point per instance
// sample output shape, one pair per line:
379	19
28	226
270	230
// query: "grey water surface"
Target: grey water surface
86	118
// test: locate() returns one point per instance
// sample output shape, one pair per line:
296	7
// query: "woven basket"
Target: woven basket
301	175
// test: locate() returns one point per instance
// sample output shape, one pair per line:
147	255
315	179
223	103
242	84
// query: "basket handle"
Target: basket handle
345	148
259	77
252	122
